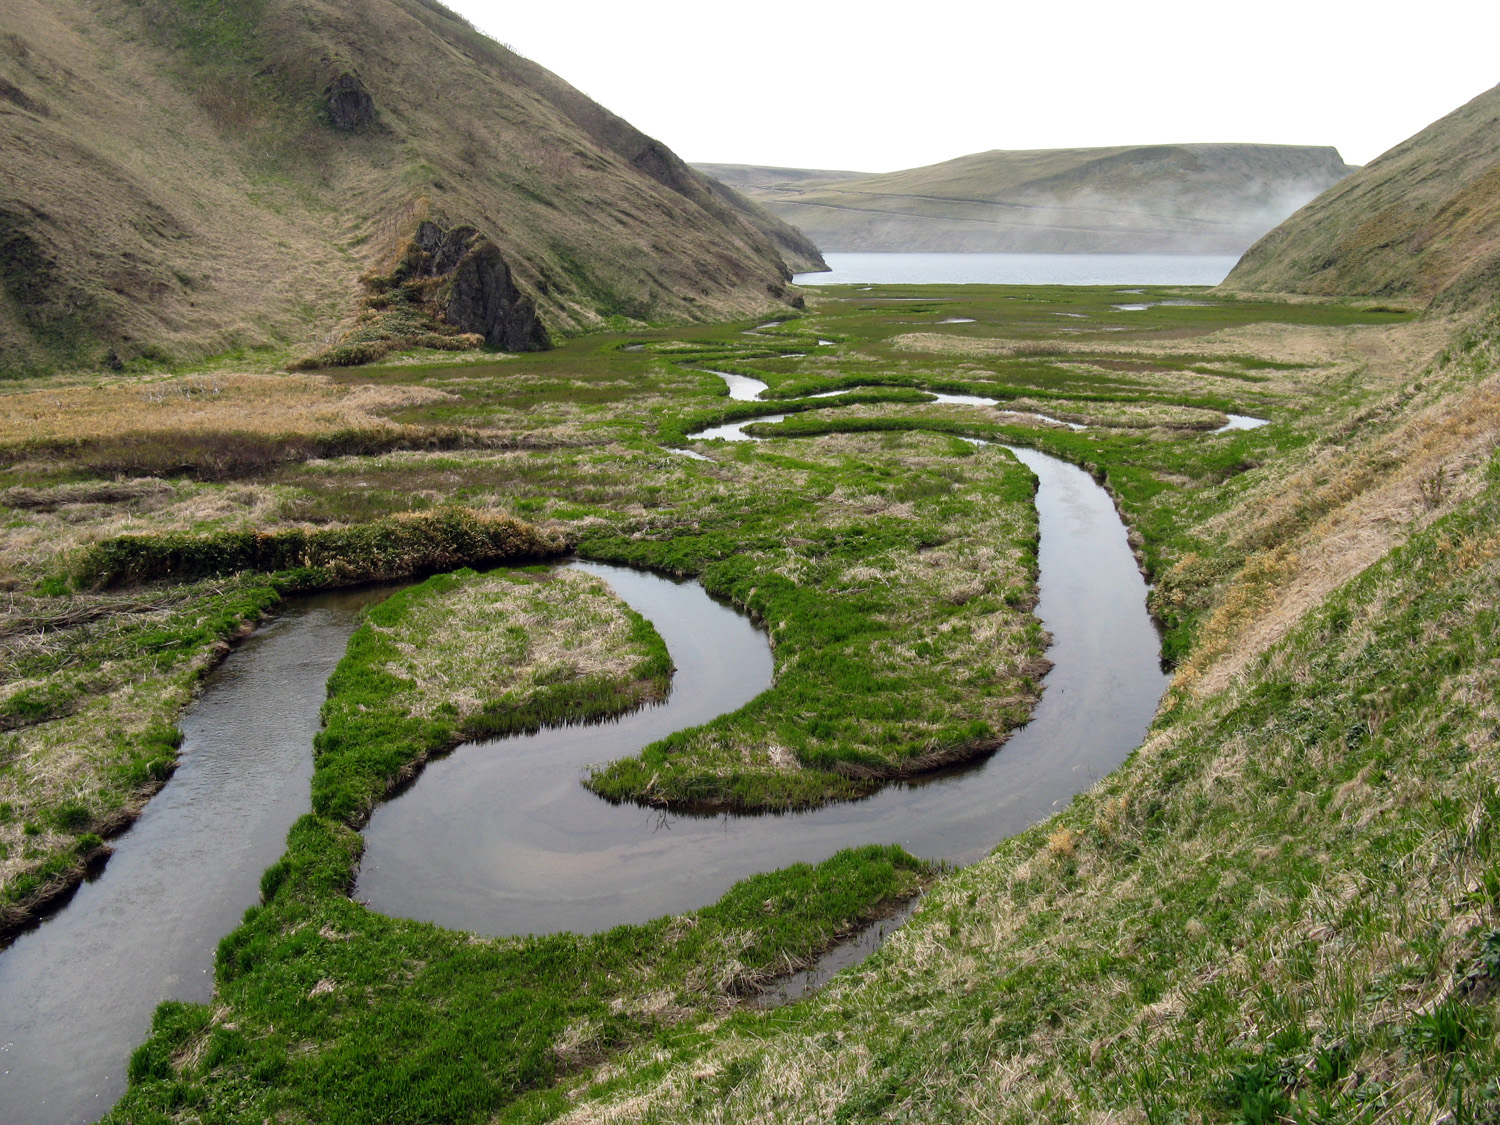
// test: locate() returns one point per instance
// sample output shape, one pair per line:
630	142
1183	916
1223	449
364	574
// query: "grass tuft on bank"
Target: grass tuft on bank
326	1011
466	656
398	547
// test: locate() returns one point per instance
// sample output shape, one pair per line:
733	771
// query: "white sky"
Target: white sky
878	86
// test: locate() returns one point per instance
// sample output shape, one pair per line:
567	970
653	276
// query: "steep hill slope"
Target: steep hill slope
1206	198
755	177
798	251
185	177
1422	221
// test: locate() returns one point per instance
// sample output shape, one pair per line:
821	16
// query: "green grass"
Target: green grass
1283	908
342	1015
1319	823
380	725
87	714
915	616
397	547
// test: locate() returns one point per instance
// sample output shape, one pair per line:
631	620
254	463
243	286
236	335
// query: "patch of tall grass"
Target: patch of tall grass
396	547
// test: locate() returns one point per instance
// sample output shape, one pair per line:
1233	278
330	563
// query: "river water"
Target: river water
500	837
77	992
1022	269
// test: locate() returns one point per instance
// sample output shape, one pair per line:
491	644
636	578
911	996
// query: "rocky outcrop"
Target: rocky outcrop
350	106
451	289
476	292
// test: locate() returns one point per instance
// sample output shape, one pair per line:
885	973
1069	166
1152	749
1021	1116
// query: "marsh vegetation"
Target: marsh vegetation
1282	896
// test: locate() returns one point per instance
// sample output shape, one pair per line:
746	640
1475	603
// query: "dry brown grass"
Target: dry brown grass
261	404
110	692
508	635
1370	500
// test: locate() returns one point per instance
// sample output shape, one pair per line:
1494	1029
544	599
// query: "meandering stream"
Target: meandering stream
77	992
499	837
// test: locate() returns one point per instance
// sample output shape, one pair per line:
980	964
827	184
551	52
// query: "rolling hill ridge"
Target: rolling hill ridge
1204	198
187	178
1421	222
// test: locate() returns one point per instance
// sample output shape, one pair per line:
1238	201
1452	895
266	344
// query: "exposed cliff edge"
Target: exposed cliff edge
1420	223
186	179
1203	198
447	288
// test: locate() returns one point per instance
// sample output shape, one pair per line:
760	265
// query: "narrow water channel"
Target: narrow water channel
77	992
500	838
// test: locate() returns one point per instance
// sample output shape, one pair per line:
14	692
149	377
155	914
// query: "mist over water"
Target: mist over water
1022	269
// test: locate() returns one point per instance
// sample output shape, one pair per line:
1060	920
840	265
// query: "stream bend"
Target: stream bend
500	838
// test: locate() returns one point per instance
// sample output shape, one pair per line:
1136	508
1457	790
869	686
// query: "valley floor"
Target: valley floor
1284	906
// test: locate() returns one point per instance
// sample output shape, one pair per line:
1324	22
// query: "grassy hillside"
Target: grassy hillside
1421	222
1206	198
752	177
1283	908
798	251
187	178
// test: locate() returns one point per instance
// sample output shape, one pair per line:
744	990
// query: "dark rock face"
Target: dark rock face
350	106
479	295
484	299
441	250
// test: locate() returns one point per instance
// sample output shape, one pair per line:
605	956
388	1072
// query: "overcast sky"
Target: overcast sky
877	86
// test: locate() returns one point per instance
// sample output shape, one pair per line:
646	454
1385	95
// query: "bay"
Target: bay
1022	269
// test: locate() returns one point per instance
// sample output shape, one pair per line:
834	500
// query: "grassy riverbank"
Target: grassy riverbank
1285	907
827	533
893	569
329	1012
95	680
93	687
467	656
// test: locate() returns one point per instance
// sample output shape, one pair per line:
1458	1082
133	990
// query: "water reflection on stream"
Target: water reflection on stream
500	838
77	992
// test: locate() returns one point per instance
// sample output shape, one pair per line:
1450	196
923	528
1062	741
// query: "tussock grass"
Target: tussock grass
398	547
478	646
1283	908
466	655
211	403
328	1010
907	597
215	426
92	688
